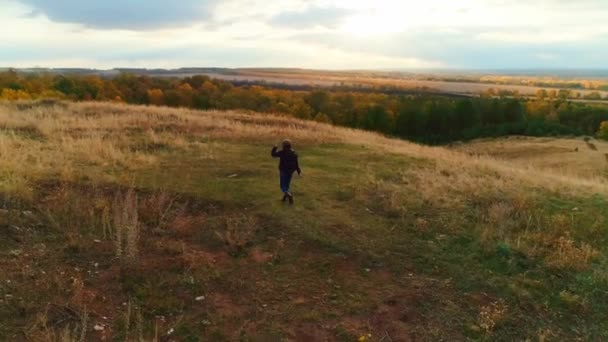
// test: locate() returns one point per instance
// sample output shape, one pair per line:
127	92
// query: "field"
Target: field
149	223
465	82
469	84
567	156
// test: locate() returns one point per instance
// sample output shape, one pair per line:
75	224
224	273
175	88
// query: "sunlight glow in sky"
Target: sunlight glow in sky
338	34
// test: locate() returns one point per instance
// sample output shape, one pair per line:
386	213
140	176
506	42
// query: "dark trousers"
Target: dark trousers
285	180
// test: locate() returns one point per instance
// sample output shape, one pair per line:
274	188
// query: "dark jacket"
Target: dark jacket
288	160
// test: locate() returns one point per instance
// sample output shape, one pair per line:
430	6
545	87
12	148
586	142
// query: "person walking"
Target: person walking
288	164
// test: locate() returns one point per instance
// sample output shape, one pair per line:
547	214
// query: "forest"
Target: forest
422	117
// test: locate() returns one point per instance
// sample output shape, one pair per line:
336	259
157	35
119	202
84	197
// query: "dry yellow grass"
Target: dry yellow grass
563	156
68	136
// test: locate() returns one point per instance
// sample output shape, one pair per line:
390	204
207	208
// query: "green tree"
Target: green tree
513	111
465	114
564	94
64	85
377	119
317	100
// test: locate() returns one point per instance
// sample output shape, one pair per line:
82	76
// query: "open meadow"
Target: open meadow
584	158
130	223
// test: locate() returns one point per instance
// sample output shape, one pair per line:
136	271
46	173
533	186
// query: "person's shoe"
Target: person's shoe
290	197
284	198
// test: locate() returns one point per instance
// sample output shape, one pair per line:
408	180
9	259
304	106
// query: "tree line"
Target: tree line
427	118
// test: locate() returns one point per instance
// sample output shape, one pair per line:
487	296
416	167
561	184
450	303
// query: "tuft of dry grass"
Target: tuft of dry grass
60	324
565	254
491	315
238	232
126	226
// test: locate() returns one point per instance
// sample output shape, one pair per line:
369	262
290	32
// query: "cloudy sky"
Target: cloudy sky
335	34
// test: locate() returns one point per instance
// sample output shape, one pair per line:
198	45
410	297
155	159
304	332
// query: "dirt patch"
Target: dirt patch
310	332
195	258
259	256
225	306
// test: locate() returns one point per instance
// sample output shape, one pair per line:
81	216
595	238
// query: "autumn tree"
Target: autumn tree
538	109
564	94
185	95
13	95
156	97
594	95
603	131
541	94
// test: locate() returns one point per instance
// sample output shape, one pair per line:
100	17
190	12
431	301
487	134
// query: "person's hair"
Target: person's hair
286	144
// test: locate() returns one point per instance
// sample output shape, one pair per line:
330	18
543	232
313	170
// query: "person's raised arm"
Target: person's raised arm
274	152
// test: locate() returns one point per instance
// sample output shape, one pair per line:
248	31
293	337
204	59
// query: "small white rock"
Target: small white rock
170	331
98	327
15	252
199	298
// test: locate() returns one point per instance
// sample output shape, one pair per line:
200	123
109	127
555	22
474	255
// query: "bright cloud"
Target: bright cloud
344	34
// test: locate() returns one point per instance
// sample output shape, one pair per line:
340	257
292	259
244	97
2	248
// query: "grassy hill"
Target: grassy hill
129	222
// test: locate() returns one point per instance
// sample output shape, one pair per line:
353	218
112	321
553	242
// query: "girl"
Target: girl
288	163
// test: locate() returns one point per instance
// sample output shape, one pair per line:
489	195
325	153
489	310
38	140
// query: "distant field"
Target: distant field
323	80
454	82
568	156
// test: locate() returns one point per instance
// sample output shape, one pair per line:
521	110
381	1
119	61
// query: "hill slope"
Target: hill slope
137	222
565	155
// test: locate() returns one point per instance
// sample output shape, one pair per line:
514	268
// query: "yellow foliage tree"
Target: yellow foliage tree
14	95
51	94
185	93
156	97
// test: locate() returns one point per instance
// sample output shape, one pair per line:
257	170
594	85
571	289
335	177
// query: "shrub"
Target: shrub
602	133
238	233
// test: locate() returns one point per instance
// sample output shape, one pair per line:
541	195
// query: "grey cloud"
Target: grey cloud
310	17
124	14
